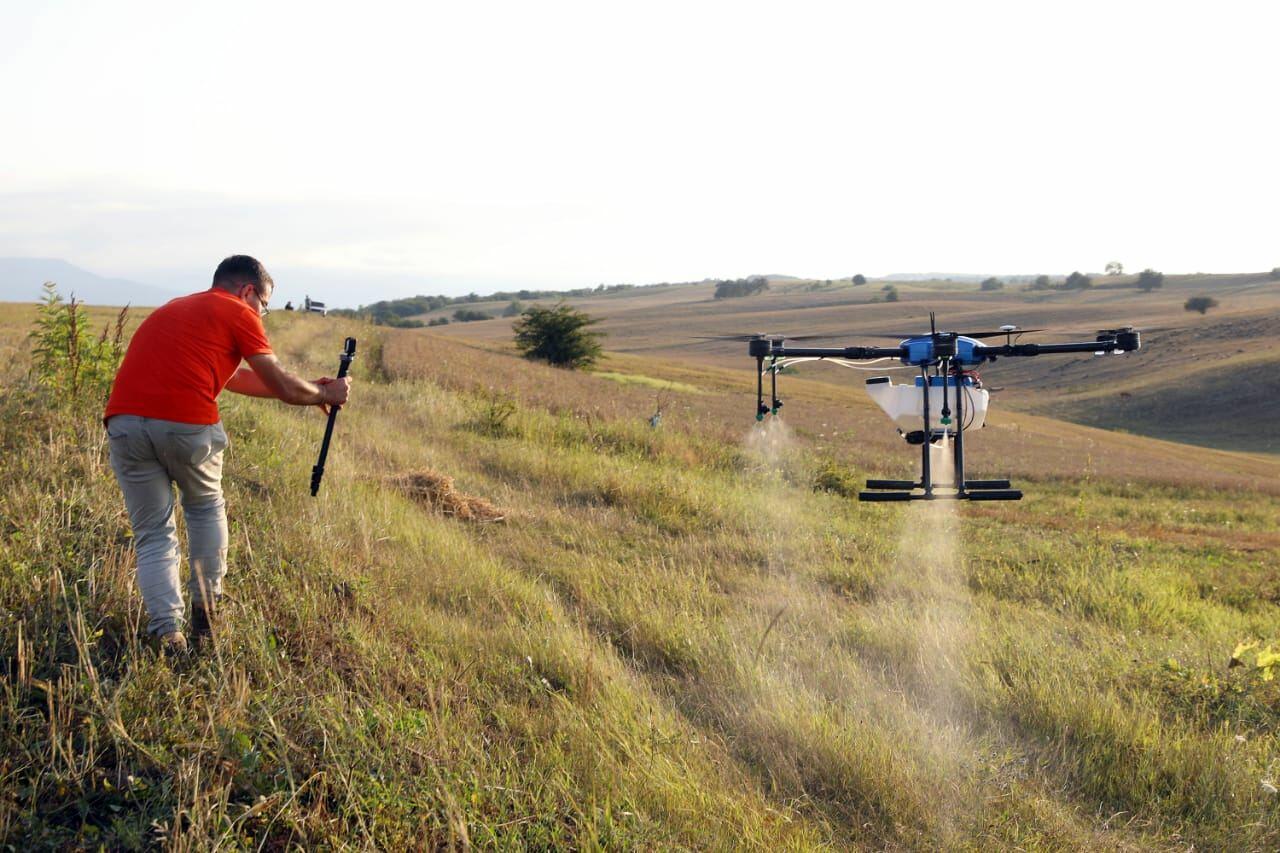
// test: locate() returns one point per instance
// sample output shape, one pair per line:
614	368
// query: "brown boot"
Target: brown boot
202	618
173	644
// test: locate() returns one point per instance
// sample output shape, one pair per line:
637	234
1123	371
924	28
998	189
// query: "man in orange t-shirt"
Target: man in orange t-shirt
163	424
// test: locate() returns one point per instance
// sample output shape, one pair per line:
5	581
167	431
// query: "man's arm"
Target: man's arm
245	381
268	378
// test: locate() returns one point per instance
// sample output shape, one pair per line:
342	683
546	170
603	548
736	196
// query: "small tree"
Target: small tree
1201	304
514	309
1041	283
891	295
736	288
558	335
1275	273
67	357
859	279
1149	280
992	283
1115	268
1078	281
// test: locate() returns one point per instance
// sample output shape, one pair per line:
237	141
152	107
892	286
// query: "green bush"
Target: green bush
1200	303
832	476
469	315
67	357
1077	281
558	335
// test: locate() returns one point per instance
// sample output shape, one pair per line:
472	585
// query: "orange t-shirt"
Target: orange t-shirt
183	354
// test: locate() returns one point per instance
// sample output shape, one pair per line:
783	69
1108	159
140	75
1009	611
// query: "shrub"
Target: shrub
470	315
832	476
735	288
558	335
1041	283
859	279
1149	280
1275	273
514	308
1078	281
67	358
438	321
1201	304
992	283
891	295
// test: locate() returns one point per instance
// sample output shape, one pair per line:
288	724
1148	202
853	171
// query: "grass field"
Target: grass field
684	637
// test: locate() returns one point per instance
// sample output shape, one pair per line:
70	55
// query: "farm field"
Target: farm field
518	616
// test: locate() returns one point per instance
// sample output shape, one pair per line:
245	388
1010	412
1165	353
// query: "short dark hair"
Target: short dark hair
239	270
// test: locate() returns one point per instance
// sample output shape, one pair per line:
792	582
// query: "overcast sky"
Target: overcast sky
448	147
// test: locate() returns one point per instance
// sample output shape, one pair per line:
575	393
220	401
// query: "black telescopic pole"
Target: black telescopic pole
347	356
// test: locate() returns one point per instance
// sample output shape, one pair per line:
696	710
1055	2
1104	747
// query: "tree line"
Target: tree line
739	287
395	312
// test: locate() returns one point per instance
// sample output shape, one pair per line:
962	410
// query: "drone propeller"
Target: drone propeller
759	336
1000	333
901	337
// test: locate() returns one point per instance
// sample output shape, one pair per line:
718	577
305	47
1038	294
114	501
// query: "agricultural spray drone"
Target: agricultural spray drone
955	400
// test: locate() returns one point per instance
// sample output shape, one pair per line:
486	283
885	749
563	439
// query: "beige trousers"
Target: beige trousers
149	456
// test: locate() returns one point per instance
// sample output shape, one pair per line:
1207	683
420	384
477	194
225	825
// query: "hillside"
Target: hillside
683	637
1208	380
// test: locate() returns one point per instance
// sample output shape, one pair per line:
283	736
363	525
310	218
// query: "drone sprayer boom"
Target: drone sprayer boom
947	397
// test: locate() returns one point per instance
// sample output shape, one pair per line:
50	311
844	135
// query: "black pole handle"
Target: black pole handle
347	356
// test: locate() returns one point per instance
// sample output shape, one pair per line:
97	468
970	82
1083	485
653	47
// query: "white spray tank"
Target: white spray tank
904	404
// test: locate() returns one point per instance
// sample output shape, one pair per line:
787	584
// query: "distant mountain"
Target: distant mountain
22	278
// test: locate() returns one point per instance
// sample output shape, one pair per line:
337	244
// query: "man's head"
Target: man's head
246	277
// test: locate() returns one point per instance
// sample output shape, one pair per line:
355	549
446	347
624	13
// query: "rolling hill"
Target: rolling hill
1207	380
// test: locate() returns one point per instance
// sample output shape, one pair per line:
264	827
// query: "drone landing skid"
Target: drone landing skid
974	490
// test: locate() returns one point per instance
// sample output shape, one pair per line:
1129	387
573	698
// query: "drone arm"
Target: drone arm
1123	342
853	353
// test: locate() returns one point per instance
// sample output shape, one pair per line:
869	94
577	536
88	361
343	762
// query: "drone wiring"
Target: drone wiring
791	362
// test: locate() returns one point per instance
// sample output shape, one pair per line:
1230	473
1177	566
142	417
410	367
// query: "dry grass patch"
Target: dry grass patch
437	491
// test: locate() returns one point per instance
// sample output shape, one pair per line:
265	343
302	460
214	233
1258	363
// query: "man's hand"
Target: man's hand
335	391
274	381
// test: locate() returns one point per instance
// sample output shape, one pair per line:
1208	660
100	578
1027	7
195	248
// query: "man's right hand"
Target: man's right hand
335	391
277	382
